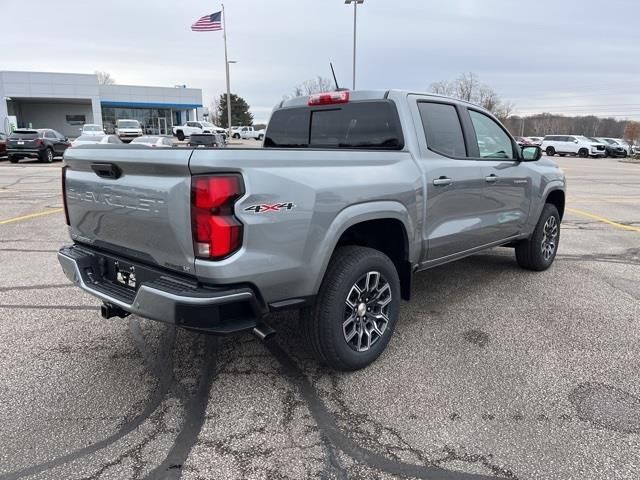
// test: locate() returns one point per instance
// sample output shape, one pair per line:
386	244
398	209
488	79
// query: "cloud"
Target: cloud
536	53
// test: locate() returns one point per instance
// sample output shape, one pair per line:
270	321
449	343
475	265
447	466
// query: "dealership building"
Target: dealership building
66	101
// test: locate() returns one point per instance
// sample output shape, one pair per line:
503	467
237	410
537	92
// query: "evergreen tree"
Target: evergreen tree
240	114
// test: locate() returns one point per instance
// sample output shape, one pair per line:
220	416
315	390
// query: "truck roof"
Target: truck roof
356	95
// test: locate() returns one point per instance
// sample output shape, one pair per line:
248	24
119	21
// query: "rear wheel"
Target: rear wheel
539	251
47	156
14	159
550	151
356	310
236	135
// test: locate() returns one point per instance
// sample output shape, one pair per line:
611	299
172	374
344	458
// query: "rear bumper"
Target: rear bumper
24	152
163	297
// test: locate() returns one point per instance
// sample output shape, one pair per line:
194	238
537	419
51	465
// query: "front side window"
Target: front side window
443	129
493	141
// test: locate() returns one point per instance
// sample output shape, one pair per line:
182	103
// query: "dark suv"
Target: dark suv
44	144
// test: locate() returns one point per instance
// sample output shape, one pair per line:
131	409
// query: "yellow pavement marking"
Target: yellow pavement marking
605	220
32	215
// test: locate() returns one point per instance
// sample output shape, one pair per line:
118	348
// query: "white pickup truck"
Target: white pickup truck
246	133
184	131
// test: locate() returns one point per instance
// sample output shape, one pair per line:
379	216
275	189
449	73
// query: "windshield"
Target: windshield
128	124
207	124
92	128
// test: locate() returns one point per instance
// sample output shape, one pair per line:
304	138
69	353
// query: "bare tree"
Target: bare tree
214	110
632	132
105	78
443	87
319	84
468	87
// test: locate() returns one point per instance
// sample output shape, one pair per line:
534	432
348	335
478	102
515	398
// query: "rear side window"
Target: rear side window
356	125
443	129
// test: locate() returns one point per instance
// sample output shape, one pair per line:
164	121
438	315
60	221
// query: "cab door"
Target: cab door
453	182
507	183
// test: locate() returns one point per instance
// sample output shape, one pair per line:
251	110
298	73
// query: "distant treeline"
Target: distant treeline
552	124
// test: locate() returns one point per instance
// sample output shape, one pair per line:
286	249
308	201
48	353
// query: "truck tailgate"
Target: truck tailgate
134	201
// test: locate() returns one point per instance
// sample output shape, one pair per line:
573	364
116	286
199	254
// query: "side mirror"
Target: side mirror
531	154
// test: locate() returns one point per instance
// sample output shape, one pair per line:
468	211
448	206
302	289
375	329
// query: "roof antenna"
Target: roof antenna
338	89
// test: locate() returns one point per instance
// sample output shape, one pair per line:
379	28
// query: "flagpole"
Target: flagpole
226	64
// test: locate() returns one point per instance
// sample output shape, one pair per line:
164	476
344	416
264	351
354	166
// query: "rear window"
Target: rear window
88	138
356	125
24	135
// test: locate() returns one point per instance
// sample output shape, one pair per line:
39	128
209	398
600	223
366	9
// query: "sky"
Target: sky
562	56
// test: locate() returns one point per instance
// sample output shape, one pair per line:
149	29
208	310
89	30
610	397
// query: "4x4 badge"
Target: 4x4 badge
265	207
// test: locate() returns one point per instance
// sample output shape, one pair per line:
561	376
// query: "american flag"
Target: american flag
208	23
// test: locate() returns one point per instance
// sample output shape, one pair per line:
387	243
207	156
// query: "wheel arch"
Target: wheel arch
556	197
354	226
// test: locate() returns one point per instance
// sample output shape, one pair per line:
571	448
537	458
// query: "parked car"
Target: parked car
92	129
247	133
613	148
95	140
45	144
572	145
536	141
153	141
333	217
523	141
189	128
212	140
127	130
3	144
625	144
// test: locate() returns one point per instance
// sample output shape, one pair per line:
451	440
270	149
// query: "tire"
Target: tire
260	138
539	251
344	295
13	159
583	153
550	151
236	136
47	156
180	135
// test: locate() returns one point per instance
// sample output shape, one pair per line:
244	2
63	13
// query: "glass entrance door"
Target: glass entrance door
162	126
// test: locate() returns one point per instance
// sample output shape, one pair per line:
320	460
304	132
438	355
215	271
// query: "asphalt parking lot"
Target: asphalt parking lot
493	371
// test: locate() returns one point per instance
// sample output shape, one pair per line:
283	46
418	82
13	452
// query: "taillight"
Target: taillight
330	98
216	232
64	194
39	142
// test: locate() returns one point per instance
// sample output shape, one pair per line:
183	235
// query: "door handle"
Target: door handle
491	178
442	181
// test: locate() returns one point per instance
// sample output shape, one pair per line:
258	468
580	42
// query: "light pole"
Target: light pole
229	62
355	27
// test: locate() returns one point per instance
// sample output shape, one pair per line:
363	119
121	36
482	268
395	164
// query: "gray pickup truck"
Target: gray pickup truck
352	194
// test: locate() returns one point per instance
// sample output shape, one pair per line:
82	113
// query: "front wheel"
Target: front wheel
180	135
356	310
539	251
551	151
583	153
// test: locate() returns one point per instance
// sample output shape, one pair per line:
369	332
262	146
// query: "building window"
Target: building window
76	119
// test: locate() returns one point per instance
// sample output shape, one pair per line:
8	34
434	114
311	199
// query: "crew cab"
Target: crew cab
189	128
351	196
127	130
246	133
